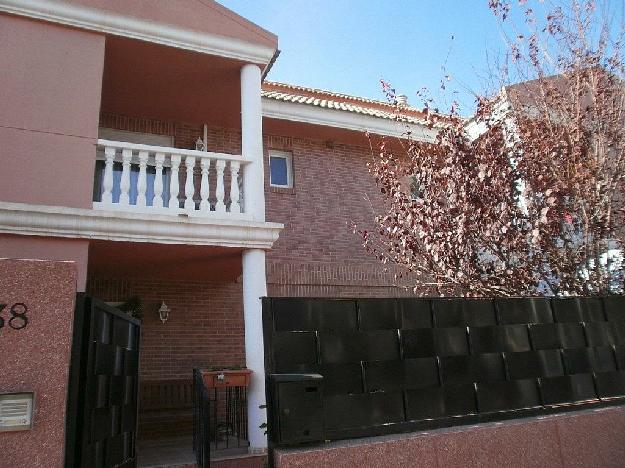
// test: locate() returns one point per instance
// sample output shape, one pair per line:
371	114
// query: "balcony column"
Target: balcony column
255	287
254	279
252	142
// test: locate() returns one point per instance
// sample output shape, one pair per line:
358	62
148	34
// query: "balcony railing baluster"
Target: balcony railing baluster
204	187
149	180
235	193
158	201
174	184
124	185
219	193
142	183
189	185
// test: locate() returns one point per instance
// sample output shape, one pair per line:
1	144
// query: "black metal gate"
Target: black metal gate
102	405
201	421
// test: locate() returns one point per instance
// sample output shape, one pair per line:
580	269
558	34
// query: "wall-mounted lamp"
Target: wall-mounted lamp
163	312
200	145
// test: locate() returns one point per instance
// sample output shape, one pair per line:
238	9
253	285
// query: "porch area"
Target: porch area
178	168
201	288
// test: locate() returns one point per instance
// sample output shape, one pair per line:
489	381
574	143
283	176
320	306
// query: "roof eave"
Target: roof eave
336	118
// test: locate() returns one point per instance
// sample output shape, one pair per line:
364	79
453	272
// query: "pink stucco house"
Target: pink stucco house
141	140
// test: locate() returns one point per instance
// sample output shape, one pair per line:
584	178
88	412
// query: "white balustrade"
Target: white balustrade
158	201
174	184
219	192
124	184
146	179
142	183
205	189
189	185
107	183
235	204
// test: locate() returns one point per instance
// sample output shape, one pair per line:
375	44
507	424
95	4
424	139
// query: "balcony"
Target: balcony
156	194
149	191
175	182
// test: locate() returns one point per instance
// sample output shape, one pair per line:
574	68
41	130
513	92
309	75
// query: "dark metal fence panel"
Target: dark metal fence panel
396	365
201	420
102	407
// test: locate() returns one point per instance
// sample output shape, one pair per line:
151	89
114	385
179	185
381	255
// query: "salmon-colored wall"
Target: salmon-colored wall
51	81
580	439
48	248
36	358
206	16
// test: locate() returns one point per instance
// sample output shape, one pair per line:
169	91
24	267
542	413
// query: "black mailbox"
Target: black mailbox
297	401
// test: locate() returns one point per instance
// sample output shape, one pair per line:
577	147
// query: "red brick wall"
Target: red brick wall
205	328
317	253
185	134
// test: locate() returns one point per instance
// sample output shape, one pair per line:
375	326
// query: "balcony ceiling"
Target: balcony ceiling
164	261
153	81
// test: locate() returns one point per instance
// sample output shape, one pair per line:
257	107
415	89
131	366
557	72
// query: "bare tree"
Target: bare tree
526	197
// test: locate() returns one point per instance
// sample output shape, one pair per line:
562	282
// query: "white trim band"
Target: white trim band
56	221
305	113
128	26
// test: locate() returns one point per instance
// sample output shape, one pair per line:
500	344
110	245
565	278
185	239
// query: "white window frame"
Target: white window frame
288	156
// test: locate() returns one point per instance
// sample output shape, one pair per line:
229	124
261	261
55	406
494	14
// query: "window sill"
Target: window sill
273	189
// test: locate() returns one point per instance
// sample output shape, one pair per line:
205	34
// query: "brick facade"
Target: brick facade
317	254
205	328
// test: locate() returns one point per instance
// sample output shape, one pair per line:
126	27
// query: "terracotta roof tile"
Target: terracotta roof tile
341	102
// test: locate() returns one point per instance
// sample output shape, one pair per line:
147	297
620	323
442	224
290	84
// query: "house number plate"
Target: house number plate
16	411
14	316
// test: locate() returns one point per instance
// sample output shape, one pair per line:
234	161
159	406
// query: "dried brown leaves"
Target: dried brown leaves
533	202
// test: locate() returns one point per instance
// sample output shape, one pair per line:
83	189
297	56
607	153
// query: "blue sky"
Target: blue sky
348	45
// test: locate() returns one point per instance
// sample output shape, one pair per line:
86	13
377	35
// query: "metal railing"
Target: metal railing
201	421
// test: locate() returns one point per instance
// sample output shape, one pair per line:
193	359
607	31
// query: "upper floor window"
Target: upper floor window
280	169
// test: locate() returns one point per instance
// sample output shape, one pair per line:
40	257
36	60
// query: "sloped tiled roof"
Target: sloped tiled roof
342	102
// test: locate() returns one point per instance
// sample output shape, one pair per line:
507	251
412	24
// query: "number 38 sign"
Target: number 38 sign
16	318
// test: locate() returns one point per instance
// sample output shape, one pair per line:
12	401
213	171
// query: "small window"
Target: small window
280	169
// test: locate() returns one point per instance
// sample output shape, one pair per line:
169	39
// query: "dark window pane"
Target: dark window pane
117	177
97	181
278	171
